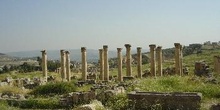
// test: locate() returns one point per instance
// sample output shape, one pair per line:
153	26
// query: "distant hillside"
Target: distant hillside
2	54
75	54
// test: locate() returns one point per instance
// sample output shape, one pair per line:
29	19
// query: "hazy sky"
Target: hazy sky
72	24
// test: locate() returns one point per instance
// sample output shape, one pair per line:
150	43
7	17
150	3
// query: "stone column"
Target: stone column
152	60
120	77
101	63
177	58
217	64
139	62
159	61
68	71
44	64
63	65
84	64
106	65
128	60
181	60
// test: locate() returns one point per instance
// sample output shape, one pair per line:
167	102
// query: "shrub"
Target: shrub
54	88
117	102
40	104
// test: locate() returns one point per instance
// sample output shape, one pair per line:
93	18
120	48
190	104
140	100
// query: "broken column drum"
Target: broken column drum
159	61
84	64
120	77
217	64
68	71
63	65
177	58
128	60
139	62
152	60
106	64
101	63
44	64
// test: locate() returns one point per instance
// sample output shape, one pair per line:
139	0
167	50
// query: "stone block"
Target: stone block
166	101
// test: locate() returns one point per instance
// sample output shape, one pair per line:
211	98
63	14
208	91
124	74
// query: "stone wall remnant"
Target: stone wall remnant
166	101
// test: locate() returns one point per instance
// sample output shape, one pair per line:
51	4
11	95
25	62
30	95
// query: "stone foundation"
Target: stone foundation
164	101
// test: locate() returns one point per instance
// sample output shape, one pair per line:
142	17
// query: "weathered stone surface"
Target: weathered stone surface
217	64
84	64
128	60
166	101
152	60
202	69
125	78
95	105
215	107
76	98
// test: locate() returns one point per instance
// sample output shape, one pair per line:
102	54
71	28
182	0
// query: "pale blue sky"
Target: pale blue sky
71	24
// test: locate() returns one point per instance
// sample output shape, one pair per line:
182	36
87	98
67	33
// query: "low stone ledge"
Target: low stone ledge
173	100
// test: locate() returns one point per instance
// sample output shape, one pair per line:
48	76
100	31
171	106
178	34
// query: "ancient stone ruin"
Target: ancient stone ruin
164	101
217	64
202	69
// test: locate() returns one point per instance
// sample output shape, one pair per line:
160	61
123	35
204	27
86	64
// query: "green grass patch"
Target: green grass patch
54	88
179	84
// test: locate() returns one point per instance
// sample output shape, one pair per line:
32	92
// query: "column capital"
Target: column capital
67	52
139	49
127	45
44	51
105	46
177	45
119	49
159	47
83	49
61	50
152	45
100	50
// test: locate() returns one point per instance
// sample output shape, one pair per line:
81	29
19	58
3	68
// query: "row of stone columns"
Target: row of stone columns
104	66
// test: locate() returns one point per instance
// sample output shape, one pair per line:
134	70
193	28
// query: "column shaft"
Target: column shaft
177	58
120	77
101	63
159	61
44	64
106	64
181	60
152	60
84	64
68	71
139	62
63	65
128	60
